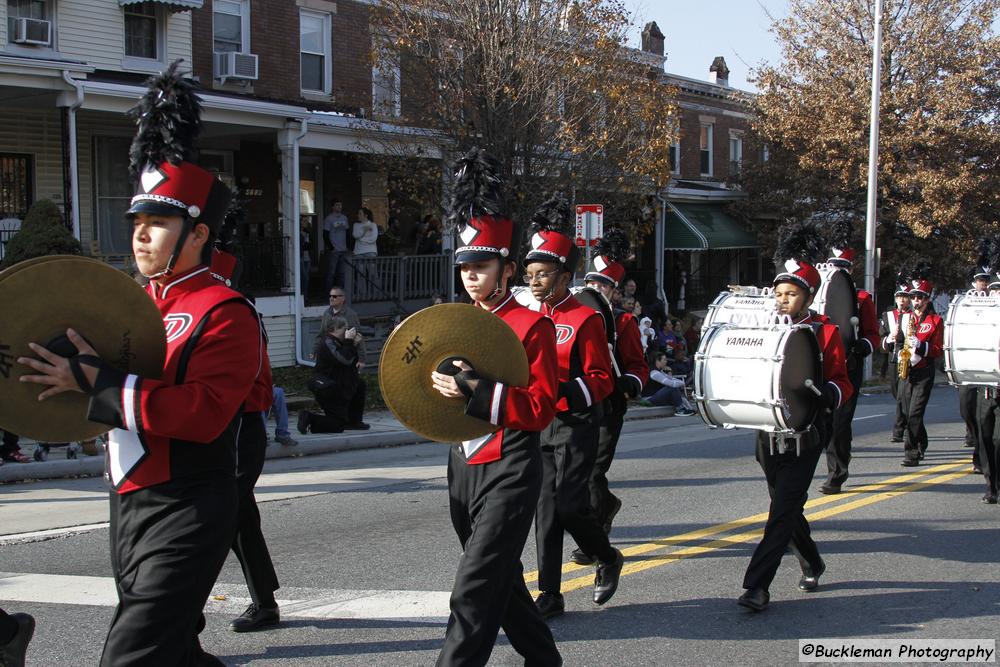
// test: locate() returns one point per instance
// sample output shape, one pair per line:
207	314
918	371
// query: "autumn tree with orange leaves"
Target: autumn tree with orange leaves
939	156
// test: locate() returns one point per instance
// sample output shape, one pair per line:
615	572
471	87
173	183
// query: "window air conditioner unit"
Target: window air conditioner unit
233	65
32	31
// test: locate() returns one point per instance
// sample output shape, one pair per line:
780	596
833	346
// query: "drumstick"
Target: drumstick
812	385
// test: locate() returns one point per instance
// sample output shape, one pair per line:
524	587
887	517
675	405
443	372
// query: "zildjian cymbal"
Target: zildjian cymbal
42	298
431	336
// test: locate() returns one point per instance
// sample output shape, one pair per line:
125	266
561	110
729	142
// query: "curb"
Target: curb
93	466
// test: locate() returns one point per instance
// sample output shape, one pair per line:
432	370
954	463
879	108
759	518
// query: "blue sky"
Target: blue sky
697	31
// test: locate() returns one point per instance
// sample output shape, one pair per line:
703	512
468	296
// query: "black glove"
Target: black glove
628	386
465	379
862	347
831	396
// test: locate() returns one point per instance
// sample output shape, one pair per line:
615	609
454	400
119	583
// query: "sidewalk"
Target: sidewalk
385	431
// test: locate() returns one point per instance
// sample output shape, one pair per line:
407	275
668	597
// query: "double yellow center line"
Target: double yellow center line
855	498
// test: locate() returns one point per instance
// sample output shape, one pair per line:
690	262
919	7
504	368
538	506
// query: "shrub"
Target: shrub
42	233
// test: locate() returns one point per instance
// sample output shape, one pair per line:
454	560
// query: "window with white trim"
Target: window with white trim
706	140
675	155
112	194
231	26
735	154
144	31
34	11
315	52
386	97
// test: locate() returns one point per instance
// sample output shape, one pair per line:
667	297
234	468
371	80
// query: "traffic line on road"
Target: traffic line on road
413	606
879	491
51	532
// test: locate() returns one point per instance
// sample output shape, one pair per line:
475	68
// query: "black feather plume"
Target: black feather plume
903	275
993	256
922	271
802	241
169	120
984	254
477	188
840	233
614	245
553	215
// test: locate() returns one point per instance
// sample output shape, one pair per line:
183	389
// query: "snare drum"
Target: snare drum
837	298
755	377
972	340
742	308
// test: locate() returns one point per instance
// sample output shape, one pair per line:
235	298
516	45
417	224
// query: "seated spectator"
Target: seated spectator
681	366
667	340
10	450
647	335
664	389
337	385
279	409
692	335
628	304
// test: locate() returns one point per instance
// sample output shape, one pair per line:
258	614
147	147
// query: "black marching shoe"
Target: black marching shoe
255	618
978	470
810	577
550	605
989	499
303	424
829	489
12	653
754	599
357	426
896	438
909	463
581	558
606	581
616	505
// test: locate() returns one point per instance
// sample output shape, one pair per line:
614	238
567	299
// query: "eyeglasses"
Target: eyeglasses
336	296
529	278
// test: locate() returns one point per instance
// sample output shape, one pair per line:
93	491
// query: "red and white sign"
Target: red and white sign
589	223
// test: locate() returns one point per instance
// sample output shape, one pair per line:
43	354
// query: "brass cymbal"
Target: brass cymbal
429	337
40	299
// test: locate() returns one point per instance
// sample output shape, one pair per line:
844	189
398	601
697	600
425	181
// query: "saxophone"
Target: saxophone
905	353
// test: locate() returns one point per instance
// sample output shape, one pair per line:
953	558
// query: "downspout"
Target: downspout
660	241
296	243
74	174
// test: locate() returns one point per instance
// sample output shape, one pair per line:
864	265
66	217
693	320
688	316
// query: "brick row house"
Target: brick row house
294	113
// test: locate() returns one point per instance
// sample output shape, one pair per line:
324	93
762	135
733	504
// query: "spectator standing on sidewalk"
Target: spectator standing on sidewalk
279	408
335	244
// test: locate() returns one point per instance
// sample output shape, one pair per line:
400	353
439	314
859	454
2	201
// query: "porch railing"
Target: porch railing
264	263
396	278
5	236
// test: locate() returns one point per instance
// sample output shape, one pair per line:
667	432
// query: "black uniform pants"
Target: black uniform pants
914	392
168	544
788	478
968	408
492	505
899	421
838	452
601	498
569	448
249	545
337	411
988	448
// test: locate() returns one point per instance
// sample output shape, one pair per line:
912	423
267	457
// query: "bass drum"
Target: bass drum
837	298
740	308
755	377
591	298
972	340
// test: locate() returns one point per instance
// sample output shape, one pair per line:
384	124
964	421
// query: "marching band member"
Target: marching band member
494	482
968	395
890	335
838	452
988	426
789	462
632	375
172	449
569	444
924	336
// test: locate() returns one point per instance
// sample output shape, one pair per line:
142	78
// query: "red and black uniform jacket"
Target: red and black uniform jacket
630	356
584	359
929	332
868	338
183	425
831	346
519	410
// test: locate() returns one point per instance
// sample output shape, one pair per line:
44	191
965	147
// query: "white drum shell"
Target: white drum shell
972	340
738	377
742	309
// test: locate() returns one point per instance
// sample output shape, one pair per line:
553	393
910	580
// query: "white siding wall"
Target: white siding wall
3	24
280	340
94	32
37	132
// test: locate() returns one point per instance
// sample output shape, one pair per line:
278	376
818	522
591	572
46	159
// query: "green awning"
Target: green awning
704	227
174	5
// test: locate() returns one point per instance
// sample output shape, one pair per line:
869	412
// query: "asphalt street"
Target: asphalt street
366	555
